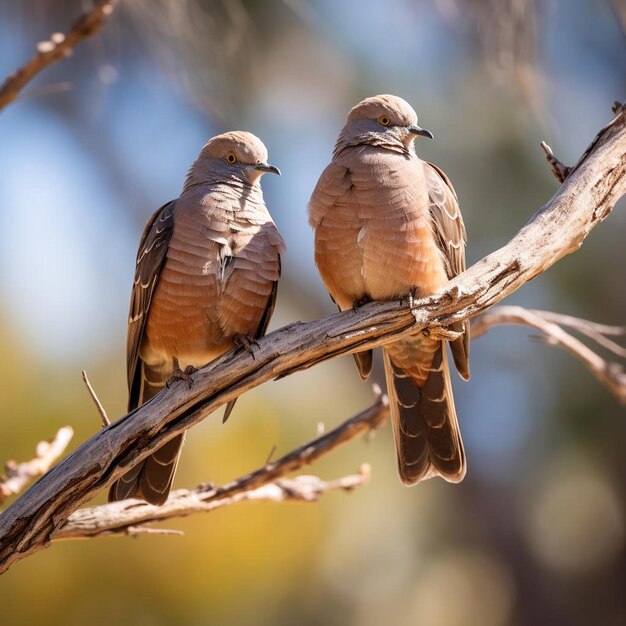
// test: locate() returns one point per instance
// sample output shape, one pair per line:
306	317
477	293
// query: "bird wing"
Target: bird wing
450	236
269	308
150	259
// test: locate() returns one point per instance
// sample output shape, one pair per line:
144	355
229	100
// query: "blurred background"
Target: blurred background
536	532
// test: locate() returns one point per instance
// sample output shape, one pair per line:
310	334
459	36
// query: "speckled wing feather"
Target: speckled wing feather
451	237
150	259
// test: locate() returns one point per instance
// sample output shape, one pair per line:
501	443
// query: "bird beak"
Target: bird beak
422	132
266	167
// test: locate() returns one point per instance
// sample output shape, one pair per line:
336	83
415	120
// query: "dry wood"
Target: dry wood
560	171
104	418
266	483
589	194
131	517
58	47
19	475
610	373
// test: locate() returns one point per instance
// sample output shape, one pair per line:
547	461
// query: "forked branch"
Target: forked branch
552	326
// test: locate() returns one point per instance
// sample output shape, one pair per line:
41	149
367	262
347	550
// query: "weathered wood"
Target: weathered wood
266	483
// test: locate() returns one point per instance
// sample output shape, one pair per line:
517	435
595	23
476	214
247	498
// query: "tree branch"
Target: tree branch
560	171
610	373
588	195
104	418
266	483
131	517
18	475
58	47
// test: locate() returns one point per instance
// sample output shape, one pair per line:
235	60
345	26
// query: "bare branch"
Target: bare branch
596	332
560	171
18	475
559	228
58	47
103	414
266	483
610	374
113	518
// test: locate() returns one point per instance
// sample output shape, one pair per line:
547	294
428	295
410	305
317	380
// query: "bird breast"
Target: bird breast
377	240
215	284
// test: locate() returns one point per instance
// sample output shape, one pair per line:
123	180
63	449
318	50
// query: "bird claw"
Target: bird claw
441	333
179	374
360	302
247	342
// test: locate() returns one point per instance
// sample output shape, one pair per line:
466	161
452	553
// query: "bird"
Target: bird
206	281
387	225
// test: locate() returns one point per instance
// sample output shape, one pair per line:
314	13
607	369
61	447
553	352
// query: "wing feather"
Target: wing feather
451	237
150	259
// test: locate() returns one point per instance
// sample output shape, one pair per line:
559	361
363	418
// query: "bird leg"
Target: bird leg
246	342
178	374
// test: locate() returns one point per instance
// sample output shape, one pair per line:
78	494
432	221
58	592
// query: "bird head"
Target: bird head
235	155
382	120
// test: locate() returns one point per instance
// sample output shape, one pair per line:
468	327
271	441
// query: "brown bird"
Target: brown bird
206	280
388	225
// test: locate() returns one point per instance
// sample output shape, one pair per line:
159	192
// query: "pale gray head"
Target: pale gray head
236	156
385	120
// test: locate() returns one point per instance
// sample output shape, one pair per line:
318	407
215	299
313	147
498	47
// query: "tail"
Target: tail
151	479
425	426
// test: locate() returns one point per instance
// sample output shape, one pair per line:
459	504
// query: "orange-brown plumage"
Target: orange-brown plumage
386	225
207	272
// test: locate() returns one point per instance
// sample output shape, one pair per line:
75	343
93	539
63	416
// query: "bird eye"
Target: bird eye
384	120
231	157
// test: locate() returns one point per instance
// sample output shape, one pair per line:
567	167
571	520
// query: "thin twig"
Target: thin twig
270	454
18	475
596	332
610	373
58	47
560	171
45	90
266	483
103	414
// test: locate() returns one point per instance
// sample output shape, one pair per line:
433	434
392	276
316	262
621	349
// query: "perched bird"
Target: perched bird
206	279
388	225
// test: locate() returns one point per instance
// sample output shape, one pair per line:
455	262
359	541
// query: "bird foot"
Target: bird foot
246	342
179	374
441	333
360	302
